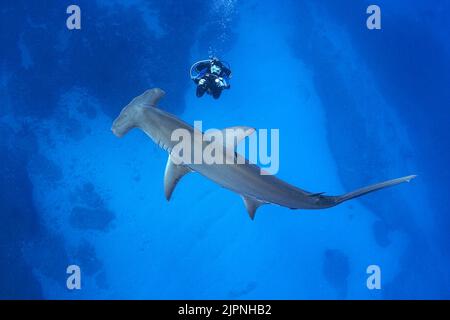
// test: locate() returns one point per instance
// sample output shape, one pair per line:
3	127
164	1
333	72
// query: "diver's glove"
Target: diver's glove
221	83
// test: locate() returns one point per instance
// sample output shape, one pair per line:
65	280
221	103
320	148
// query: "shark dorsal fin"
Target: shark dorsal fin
251	205
172	175
238	132
150	97
234	135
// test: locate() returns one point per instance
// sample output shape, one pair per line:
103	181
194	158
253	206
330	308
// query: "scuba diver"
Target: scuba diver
211	76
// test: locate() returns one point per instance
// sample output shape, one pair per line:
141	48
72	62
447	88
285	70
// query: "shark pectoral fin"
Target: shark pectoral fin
172	175
251	205
238	133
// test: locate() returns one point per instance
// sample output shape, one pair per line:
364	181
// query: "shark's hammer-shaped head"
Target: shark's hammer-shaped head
131	115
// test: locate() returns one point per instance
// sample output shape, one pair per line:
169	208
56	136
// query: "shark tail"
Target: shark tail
372	188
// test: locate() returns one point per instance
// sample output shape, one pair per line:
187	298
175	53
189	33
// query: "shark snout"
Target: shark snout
119	125
115	132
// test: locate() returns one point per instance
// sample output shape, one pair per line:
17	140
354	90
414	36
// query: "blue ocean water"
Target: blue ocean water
353	106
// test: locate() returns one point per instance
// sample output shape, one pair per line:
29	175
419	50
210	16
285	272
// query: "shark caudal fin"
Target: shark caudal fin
372	188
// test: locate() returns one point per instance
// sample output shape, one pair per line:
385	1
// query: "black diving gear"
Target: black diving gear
211	76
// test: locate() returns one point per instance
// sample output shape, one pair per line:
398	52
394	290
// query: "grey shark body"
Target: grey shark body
242	177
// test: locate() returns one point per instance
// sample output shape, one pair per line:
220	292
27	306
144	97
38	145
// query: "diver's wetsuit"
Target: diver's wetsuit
213	82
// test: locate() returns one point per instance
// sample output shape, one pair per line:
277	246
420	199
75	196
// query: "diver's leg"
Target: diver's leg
200	91
201	87
216	88
216	93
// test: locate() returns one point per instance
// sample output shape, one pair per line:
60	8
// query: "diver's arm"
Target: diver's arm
201	66
226	72
226	83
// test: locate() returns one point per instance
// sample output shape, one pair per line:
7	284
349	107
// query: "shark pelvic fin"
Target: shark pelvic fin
172	175
251	205
316	194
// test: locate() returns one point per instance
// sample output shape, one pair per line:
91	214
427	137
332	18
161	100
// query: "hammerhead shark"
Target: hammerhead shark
242	177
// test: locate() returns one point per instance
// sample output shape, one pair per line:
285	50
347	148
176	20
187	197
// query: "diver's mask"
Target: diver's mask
215	69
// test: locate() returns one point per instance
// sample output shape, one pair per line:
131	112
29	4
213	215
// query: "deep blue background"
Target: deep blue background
353	106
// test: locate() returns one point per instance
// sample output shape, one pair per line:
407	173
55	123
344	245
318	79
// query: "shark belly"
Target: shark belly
246	180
